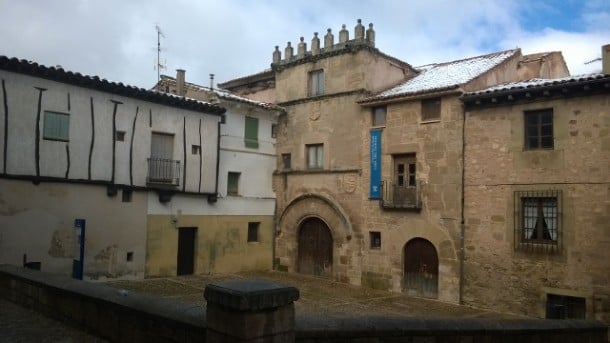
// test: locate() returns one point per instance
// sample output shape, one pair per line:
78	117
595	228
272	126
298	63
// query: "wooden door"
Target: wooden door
186	250
420	268
404	191
315	248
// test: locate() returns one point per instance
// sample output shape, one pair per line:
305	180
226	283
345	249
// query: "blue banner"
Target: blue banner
375	188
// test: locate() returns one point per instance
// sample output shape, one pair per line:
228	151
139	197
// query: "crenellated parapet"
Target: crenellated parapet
362	39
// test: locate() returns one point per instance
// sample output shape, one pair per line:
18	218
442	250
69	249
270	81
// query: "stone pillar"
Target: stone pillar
301	48
250	311
288	52
315	44
343	35
370	35
277	55
359	31
329	40
606	59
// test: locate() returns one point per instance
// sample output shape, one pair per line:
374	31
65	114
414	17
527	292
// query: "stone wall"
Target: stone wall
497	274
255	311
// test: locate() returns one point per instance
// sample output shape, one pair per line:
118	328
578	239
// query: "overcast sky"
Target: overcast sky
117	40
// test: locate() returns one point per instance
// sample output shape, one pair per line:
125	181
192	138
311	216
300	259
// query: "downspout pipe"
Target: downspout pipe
214	198
462	222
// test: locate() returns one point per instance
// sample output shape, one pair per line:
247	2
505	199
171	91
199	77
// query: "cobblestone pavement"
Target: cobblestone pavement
317	296
21	325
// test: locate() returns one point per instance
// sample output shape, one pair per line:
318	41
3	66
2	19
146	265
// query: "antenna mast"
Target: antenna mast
159	65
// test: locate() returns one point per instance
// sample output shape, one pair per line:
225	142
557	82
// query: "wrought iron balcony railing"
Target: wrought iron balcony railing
163	171
400	197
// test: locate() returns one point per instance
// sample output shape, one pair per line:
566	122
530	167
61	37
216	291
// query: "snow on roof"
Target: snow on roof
226	94
446	75
532	83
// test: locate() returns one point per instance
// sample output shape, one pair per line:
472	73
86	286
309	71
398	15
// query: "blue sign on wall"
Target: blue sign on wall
78	261
375	187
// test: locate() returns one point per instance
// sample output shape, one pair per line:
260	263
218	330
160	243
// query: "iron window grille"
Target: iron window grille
163	171
538	222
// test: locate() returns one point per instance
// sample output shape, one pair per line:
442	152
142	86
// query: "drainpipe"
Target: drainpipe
462	224
222	121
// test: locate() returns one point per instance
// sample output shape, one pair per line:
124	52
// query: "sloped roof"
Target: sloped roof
225	94
537	83
95	82
445	76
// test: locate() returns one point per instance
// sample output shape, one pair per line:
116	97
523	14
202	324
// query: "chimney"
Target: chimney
212	81
301	48
315	44
288	52
606	59
277	55
370	35
359	31
180	89
343	35
329	39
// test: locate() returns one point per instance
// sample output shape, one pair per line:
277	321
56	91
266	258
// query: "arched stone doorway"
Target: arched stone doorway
315	248
420	268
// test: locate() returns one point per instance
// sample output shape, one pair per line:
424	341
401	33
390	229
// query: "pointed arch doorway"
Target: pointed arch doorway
315	248
420	268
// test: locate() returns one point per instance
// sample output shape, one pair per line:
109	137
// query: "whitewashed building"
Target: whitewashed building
123	159
236	233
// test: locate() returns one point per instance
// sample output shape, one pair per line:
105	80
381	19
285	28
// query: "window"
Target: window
286	161
565	307
129	256
404	170
119	136
233	183
251	134
316	83
431	109
375	238
538	222
126	195
539	129
253	231
195	149
56	126
273	130
315	156
379	114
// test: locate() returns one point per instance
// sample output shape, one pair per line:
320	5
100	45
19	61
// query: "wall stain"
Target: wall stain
62	244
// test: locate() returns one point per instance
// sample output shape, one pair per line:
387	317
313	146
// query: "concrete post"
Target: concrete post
250	311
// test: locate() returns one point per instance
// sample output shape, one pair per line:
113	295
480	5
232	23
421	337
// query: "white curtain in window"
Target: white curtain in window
530	214
549	209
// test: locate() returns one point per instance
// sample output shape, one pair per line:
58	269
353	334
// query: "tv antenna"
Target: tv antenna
159	65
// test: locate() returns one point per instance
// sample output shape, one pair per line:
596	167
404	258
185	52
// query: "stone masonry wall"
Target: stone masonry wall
497	275
437	146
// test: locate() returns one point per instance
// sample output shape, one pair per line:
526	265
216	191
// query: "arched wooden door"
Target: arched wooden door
421	268
315	248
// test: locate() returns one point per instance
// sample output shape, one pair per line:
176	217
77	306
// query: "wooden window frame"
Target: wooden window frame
318	162
379	115
316	82
286	161
233	191
431	109
536	126
251	132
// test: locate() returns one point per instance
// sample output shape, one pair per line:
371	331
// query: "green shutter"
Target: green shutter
251	134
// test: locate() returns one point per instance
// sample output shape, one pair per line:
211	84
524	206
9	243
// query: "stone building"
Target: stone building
237	232
119	159
369	174
536	195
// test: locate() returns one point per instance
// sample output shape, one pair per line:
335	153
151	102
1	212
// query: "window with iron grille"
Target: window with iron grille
316	83
539	129
375	238
431	109
538	221
565	307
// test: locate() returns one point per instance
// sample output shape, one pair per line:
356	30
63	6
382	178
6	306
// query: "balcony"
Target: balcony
163	172
396	197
